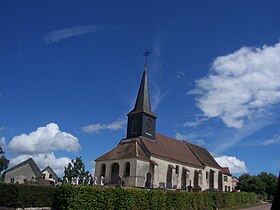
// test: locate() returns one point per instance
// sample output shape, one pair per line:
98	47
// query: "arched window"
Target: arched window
134	126
127	169
103	170
149	127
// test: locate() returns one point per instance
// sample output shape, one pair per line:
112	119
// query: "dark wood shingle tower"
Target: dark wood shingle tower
141	120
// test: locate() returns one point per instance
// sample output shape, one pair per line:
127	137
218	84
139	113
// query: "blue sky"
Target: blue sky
70	72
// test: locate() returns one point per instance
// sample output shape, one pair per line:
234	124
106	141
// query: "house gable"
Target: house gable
26	170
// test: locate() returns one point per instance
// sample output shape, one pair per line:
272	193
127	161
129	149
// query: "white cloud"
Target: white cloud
157	96
2	128
180	75
181	136
235	165
96	128
44	160
2	141
191	124
241	85
274	140
58	35
43	140
184	137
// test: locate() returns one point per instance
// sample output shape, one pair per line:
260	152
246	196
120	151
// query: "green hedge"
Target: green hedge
19	196
84	197
67	197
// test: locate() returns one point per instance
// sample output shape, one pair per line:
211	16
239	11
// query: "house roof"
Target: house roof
125	149
32	164
203	155
172	149
225	170
48	168
163	146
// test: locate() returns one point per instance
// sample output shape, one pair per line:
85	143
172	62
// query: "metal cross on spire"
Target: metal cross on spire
146	53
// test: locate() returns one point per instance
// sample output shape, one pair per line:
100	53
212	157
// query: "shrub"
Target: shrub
88	197
19	196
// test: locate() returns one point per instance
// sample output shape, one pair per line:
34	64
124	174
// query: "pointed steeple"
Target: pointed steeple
141	120
142	103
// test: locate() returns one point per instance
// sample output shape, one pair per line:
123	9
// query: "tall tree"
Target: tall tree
264	183
270	181
76	170
4	162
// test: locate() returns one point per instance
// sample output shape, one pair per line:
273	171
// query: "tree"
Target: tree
76	170
270	181
4	162
264	184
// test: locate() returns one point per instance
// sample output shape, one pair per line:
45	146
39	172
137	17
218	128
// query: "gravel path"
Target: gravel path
266	206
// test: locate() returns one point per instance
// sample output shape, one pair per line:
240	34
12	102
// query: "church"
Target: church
147	159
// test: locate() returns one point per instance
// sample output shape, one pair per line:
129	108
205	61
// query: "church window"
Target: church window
207	174
149	127
50	176
225	188
225	178
229	188
127	169
103	170
134	126
177	170
12	180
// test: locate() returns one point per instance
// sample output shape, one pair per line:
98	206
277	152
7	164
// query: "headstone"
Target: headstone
89	179
77	180
72	181
120	181
101	180
95	180
161	185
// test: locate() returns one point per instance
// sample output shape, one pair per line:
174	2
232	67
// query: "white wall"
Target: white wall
47	174
161	173
140	168
128	181
227	183
19	174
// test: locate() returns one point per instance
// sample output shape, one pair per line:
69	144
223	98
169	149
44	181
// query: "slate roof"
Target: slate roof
163	146
172	149
32	164
203	155
143	98
225	170
124	150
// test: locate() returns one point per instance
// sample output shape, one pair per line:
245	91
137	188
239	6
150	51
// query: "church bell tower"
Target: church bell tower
141	120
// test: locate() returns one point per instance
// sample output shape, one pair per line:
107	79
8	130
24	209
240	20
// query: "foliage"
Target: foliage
76	169
4	162
19	196
87	197
264	184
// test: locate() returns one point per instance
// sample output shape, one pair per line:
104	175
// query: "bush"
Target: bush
19	196
88	197
84	197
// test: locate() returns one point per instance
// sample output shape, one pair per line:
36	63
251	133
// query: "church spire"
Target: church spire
142	103
141	120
